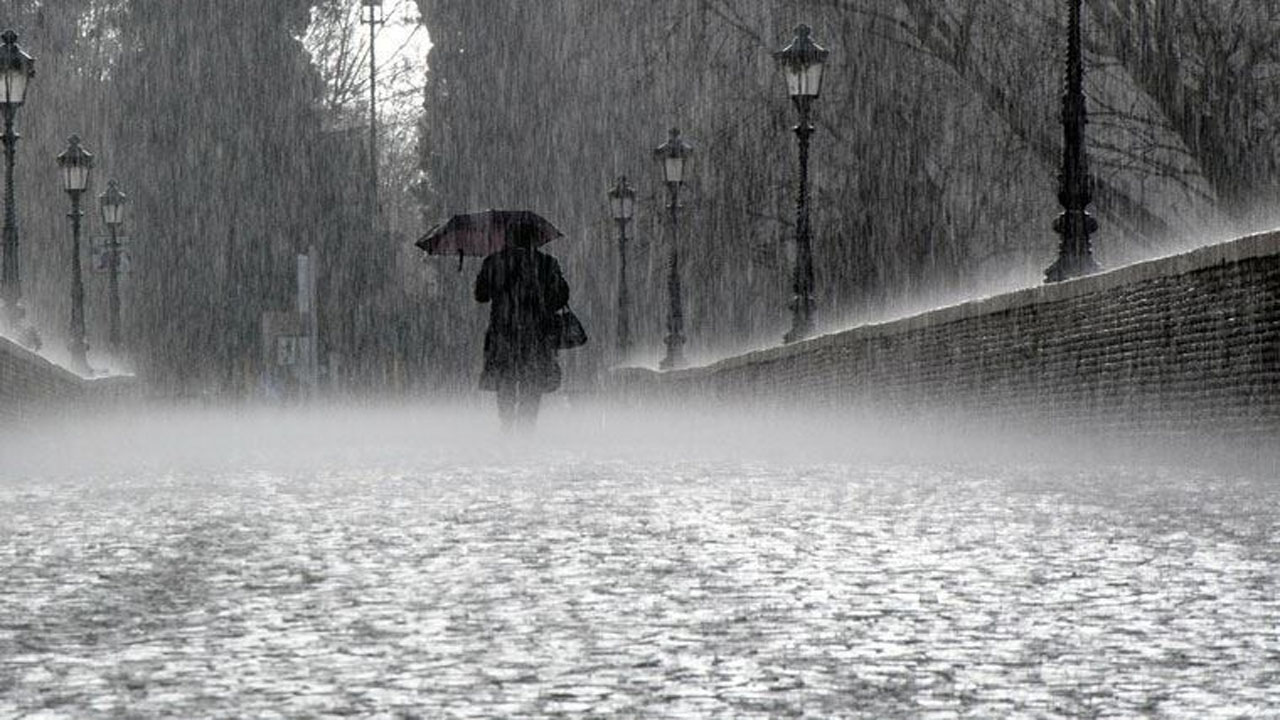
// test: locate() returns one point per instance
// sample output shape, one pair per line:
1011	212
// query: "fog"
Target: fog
385	435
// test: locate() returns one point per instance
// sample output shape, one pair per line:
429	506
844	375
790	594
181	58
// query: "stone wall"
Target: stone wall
31	386
1188	343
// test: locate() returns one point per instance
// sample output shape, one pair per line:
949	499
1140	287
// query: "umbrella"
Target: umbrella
484	233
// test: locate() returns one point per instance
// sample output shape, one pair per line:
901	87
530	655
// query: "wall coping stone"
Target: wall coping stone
24	355
58	387
1263	244
13	348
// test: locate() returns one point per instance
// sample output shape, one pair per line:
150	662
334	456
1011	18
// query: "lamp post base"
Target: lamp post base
29	336
1067	267
801	320
79	357
796	334
675	353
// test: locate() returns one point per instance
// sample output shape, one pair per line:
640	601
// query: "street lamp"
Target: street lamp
371	14
76	162
16	71
802	62
1075	224
112	202
673	155
622	205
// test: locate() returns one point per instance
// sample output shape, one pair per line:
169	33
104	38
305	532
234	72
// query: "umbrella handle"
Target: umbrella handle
459	259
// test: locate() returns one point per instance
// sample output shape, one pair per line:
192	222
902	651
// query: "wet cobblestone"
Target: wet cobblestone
559	582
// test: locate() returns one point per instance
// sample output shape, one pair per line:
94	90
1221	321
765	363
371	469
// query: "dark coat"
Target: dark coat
525	288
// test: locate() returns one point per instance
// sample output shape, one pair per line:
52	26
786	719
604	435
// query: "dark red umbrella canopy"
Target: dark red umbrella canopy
484	233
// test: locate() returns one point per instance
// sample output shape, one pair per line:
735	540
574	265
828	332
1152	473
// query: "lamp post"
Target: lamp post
802	62
673	154
16	71
371	14
112	203
1075	224
622	205
76	162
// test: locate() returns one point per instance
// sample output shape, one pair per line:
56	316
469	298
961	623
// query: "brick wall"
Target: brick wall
1179	344
31	386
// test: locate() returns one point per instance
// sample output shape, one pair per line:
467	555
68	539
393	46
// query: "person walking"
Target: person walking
524	288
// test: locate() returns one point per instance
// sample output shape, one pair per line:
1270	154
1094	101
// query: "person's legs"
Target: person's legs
527	396
507	400
530	401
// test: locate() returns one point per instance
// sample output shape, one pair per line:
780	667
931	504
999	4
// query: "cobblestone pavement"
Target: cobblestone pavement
269	566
